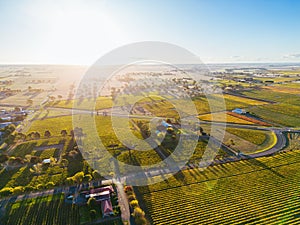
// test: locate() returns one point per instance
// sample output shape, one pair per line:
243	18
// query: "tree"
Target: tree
140	221
134	204
78	177
40	186
69	181
18	190
29	102
37	168
93	214
3	158
139	216
96	174
47	134
37	135
87	178
35	159
92	203
64	162
138	212
64	133
6	191
50	185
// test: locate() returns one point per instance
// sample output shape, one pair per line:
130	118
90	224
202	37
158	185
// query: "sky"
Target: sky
81	31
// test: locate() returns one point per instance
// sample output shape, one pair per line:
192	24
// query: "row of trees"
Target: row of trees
47	134
138	213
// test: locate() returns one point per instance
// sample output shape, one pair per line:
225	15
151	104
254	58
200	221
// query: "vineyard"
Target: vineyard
256	191
46	210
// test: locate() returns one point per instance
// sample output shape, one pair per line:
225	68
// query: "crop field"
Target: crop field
277	118
249	141
106	134
283	89
257	137
41	210
245	100
223	117
285	112
162	109
283	108
203	105
256	191
104	102
54	125
287	98
100	103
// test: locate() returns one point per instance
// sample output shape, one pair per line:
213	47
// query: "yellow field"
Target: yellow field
282	89
223	117
245	100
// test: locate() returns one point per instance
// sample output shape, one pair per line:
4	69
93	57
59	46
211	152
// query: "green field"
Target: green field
256	191
41	210
254	136
105	133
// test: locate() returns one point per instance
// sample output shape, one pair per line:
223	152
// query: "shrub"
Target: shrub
6	191
50	184
131	197
92	203
140	221
18	190
40	186
138	212
93	214
134	204
29	188
87	178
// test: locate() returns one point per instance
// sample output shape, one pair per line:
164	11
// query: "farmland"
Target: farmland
57	147
223	117
258	191
41	210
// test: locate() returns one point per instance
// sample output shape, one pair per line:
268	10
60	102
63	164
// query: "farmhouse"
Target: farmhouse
102	196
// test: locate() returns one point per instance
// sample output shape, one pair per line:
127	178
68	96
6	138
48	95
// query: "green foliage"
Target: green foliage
92	203
134	203
87	178
42	210
264	186
93	214
78	177
254	136
6	191
18	190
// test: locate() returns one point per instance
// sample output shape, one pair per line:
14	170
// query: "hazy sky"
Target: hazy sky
79	32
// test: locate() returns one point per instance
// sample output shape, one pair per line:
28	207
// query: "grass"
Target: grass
54	125
47	153
261	191
254	136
